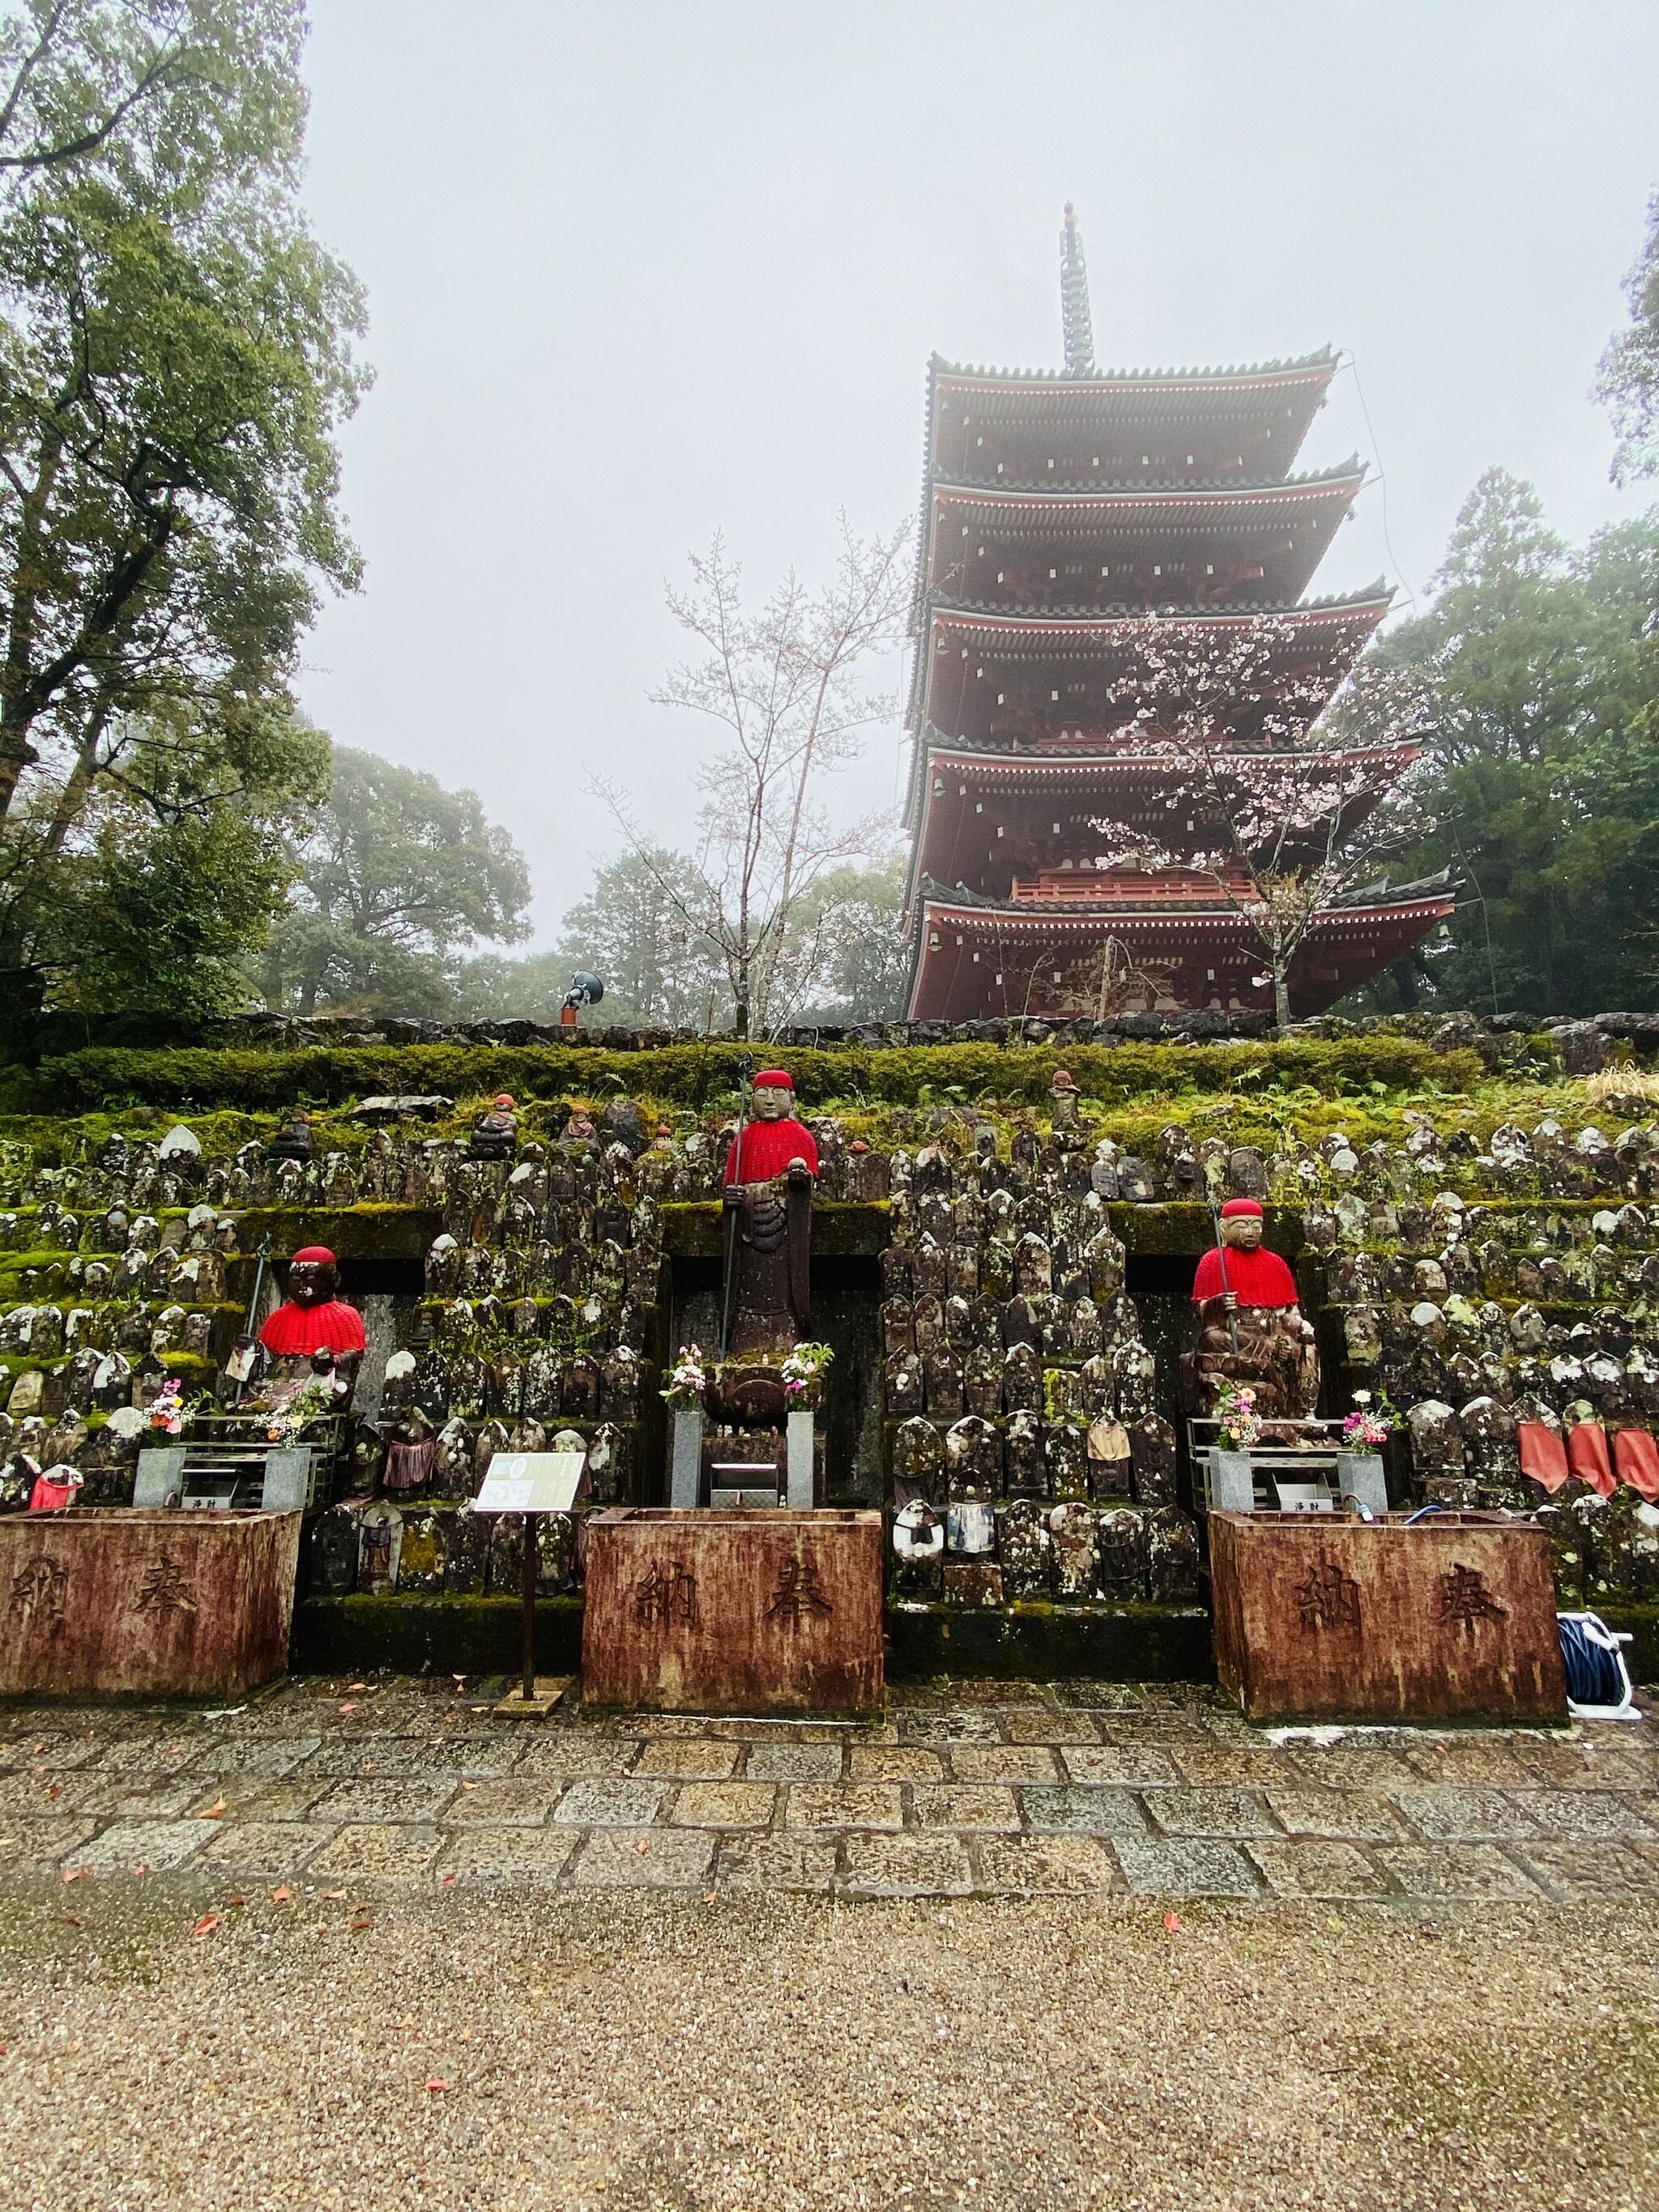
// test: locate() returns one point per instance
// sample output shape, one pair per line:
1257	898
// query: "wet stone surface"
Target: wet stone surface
964	1788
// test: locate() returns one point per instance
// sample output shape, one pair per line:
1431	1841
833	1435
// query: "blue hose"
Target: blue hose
1594	1676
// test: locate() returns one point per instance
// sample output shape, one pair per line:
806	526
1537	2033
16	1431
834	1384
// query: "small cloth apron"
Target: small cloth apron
1587	1455
1543	1454
1637	1456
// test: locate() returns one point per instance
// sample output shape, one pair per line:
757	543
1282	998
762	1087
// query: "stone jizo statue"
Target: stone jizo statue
496	1133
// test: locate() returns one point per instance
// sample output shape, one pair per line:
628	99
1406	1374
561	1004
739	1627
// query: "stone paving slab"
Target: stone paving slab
266	1847
986	1788
812	1762
644	1858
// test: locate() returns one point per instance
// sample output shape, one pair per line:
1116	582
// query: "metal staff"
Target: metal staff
732	1212
1221	1254
248	1330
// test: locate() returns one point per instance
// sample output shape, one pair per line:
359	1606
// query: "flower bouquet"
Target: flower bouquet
687	1381
285	1423
166	1411
1370	1424
801	1371
1236	1418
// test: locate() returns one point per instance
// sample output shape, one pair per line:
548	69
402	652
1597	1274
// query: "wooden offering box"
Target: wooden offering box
735	1612
135	1604
1322	1618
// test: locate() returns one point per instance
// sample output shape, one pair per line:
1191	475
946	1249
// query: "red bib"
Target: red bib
1587	1455
1543	1454
1637	1456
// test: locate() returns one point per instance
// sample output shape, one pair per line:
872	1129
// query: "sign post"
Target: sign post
529	1484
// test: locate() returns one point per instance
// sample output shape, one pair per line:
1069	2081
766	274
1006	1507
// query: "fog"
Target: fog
637	274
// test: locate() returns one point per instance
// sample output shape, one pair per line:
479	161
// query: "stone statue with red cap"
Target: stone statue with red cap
769	1174
1250	1327
313	1332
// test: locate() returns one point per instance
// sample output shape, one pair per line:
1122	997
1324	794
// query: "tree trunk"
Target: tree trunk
1281	998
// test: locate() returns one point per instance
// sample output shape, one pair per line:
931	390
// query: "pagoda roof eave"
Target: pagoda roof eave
964	910
1210	491
1320	362
1064	633
1301	614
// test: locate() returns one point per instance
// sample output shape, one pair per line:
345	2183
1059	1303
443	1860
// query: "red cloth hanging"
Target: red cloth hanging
1637	1456
1587	1455
1543	1454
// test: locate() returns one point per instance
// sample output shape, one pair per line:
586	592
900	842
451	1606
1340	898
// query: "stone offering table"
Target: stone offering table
1322	1619
144	1604
737	1611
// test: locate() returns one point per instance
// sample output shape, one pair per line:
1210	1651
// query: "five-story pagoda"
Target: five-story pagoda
1059	512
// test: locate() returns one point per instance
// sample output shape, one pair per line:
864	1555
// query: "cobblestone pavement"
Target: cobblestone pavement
989	1789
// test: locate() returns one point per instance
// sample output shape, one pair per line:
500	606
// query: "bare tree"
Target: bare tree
1293	806
782	685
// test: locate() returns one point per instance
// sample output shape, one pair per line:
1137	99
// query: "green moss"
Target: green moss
115	1081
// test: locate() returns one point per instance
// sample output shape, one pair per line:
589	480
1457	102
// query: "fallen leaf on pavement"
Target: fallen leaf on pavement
74	1918
1172	1922
140	1868
349	1706
449	1881
436	2086
206	1924
355	1686
335	1896
238	1900
282	1895
56	1790
75	1873
642	1846
366	1922
215	1811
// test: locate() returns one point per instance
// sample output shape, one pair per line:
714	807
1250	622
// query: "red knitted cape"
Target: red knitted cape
768	1147
296	1331
1255	1278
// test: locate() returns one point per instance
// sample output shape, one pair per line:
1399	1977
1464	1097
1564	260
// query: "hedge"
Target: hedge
700	1075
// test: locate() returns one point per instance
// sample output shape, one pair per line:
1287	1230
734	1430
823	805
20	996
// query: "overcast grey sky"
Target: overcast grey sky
640	271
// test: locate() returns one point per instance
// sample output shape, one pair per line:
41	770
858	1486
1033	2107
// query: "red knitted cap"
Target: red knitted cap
774	1079
318	1256
1235	1206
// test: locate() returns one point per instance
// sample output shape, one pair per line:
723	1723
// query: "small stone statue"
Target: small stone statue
496	1134
293	1140
411	1453
1250	1328
578	1130
770	1175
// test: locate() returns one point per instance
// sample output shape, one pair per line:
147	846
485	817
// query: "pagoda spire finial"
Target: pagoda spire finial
1075	319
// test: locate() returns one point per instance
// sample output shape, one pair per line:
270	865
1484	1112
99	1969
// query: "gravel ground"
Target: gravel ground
657	2051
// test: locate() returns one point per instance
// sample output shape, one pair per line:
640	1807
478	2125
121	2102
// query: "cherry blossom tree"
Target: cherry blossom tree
782	683
1294	799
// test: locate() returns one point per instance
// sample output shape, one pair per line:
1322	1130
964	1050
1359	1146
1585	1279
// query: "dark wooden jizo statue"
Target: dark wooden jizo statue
769	1174
1250	1327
